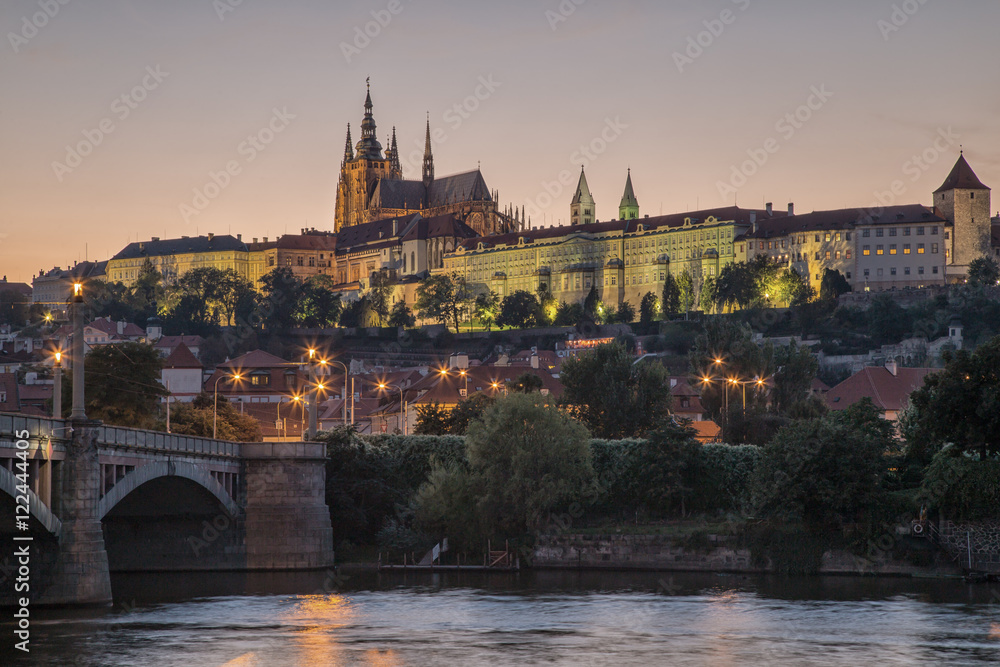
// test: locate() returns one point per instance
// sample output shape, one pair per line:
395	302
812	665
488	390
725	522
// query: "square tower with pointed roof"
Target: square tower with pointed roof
964	201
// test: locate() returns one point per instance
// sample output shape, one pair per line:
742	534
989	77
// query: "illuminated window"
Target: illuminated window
892	249
867	250
920	248
906	248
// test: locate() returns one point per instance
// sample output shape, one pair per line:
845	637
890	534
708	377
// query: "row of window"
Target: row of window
906	271
880	249
880	231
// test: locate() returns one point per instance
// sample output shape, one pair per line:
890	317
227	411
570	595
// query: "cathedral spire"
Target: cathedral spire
628	209
369	147
396	165
349	148
428	172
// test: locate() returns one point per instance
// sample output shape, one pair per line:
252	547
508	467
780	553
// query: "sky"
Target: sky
127	119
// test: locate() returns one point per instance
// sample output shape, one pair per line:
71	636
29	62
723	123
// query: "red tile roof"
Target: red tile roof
174	341
961	178
888	392
181	357
256	359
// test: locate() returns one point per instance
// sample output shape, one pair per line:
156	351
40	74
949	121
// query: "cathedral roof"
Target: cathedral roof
961	178
628	199
441	225
398	194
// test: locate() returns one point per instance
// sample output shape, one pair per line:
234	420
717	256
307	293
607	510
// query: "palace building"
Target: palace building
372	187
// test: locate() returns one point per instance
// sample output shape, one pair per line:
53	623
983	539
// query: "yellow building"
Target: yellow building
175	257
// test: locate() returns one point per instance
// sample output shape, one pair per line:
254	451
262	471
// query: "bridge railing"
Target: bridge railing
12	423
167	442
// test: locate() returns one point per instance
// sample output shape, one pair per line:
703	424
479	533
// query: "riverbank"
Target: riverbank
724	554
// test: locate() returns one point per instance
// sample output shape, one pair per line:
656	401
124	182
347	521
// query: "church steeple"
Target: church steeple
582	210
628	209
349	148
369	147
397	167
428	171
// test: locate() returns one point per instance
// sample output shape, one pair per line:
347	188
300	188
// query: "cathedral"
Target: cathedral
372	187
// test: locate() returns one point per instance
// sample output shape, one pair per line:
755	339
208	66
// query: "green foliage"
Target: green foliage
122	385
443	298
888	322
280	289
526	383
960	404
790	383
380	288
196	418
742	358
966	487
432	419
487	307
729	475
591	305
318	305
833	285
626	313
435	419
526	460
649	308
826	472
519	310
709	295
670	300
401	316
358	313
547	307
569	314
612	396
685	288
984	272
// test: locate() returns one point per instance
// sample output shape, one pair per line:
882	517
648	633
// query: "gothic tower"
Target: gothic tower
428	170
582	208
628	209
361	169
964	201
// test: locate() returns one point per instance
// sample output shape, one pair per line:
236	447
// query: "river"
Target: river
527	618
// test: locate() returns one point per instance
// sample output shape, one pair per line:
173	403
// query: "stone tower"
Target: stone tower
964	201
582	210
628	209
361	169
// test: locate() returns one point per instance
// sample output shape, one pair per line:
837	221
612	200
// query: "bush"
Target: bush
963	486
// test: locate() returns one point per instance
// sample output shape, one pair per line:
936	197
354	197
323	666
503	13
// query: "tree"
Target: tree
401	316
380	289
984	271
468	410
487	307
826	472
709	294
526	383
569	314
960	405
199	418
732	343
123	385
146	292
281	291
626	313
790	383
649	308
685	288
789	288
358	314
833	285
432	419
318	304
234	294
888	322
526	461
442	298
612	396
592	304
671	298
519	310
670	466
547	307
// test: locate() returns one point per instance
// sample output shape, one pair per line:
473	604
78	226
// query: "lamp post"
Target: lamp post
215	403
293	399
79	412
402	404
344	366
57	386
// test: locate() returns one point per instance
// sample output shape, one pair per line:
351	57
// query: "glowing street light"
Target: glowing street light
235	377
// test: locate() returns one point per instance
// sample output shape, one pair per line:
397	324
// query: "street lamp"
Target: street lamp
402	404
344	366
236	377
57	386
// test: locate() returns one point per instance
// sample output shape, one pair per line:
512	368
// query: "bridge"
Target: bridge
103	498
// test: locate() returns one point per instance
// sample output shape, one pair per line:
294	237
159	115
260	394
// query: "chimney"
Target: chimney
155	238
265	239
211	236
239	237
791	208
534	360
395	227
891	366
255	239
121	327
770	208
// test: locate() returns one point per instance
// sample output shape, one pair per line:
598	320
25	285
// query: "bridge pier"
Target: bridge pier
81	573
287	520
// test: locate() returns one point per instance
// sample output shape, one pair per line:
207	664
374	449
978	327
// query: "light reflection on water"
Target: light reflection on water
551	618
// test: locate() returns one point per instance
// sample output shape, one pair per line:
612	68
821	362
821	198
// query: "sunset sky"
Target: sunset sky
116	112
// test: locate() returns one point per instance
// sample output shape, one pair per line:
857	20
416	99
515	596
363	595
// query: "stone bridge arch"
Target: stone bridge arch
38	509
158	469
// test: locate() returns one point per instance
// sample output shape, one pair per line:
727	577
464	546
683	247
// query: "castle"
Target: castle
372	187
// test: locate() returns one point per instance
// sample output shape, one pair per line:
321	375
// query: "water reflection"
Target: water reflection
573	618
